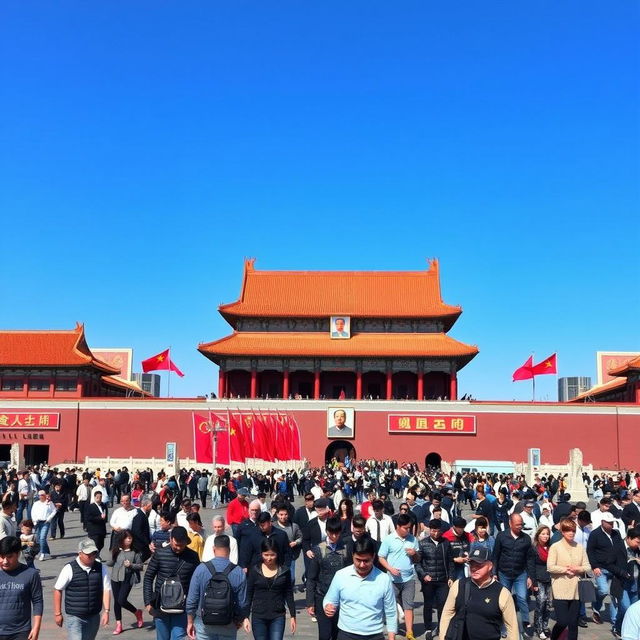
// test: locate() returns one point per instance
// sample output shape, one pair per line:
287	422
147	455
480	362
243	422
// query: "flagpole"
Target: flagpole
533	380
169	374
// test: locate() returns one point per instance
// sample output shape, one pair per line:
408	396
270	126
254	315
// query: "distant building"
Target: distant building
149	382
569	388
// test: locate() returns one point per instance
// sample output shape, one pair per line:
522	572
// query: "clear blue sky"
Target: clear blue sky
147	147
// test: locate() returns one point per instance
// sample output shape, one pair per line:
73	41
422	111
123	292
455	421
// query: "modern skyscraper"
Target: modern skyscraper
150	382
569	388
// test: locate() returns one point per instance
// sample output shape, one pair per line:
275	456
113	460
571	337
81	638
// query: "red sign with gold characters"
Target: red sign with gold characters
431	423
10	420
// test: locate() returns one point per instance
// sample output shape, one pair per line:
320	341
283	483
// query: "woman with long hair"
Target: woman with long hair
567	561
542	582
269	594
127	565
345	513
480	536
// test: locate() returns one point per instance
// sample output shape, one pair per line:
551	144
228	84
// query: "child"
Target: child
160	537
30	547
194	530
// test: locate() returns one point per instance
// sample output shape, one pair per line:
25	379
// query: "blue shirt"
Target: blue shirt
200	580
393	551
362	601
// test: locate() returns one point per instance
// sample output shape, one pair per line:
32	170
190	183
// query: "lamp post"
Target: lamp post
214	430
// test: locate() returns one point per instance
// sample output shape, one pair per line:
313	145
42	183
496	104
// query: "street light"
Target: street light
214	430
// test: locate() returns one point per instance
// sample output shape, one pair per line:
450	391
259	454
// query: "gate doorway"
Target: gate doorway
36	454
432	460
5	453
339	450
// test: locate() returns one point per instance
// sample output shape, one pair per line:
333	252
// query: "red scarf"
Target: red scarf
543	553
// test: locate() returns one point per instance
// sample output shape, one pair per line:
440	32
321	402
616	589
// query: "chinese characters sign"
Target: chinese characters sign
10	420
430	423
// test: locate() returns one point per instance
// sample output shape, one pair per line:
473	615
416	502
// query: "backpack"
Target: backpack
217	606
172	596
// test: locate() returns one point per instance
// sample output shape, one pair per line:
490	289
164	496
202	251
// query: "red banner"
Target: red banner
203	430
430	423
21	421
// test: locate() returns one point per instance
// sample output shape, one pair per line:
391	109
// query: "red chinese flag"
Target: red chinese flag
261	435
160	362
549	365
203	439
283	444
237	439
525	371
296	450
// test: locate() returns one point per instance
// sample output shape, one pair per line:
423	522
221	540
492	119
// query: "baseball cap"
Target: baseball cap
607	517
179	534
529	504
243	492
321	503
87	545
42	493
479	555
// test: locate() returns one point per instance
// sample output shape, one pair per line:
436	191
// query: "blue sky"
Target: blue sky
147	147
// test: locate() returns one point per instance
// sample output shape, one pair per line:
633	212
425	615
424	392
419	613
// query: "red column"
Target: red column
316	385
358	385
453	387
389	384
285	384
420	392
254	384
221	384
638	393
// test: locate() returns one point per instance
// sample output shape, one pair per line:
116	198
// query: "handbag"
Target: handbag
586	590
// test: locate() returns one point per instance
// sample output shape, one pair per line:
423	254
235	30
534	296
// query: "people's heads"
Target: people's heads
458	524
358	526
269	552
87	552
221	546
480	565
166	520
179	539
194	521
345	508
308	500
378	508
635	495
185	505
218	525
283	515
605	504
10	549
528	508
339	324
403	525
264	522
403	508
322	508
26	527
411	497
633	538
515	523
567	528
584	519
124	539
339	418
255	508
606	521
243	494
364	551
97	497
42	495
125	500
542	535
435	529
334	529
437	513
481	526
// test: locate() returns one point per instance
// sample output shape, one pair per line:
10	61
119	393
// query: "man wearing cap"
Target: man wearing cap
529	521
42	513
238	510
601	550
480	603
174	559
87	590
435	572
460	542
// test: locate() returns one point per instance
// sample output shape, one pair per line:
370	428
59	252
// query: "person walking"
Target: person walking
125	573
294	535
567	561
96	520
542	582
20	594
87	591
60	499
269	591
42	513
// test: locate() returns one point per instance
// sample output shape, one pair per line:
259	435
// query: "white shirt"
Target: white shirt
207	552
323	528
154	521
122	519
103	490
43	511
23	488
316	491
83	492
386	527
596	520
67	574
181	519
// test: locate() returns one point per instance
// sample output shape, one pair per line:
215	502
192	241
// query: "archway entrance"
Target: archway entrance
339	450
433	460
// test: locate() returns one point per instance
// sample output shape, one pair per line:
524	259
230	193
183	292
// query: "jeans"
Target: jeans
629	596
82	628
292	569
268	629
213	632
23	505
42	531
603	584
434	593
171	626
518	586
22	635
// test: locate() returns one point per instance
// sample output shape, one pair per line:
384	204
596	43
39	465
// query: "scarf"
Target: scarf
543	553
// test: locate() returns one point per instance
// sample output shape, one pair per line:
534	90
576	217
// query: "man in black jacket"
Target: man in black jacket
250	546
174	559
306	512
626	576
631	511
601	550
435	572
96	520
514	562
141	531
60	499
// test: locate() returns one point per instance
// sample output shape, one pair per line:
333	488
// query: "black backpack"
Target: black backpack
172	596
217	605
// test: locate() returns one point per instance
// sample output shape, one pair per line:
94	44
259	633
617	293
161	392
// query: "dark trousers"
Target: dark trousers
327	627
57	522
99	540
23	635
567	612
345	635
82	506
435	595
268	629
121	592
203	499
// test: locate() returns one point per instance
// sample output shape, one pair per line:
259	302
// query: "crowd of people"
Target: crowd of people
372	534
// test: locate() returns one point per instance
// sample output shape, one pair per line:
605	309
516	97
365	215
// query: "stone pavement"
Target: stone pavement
64	550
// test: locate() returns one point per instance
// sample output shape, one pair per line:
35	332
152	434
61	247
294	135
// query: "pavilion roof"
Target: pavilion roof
631	366
361	345
45	348
600	389
373	294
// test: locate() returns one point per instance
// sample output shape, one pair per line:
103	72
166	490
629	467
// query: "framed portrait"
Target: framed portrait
340	327
341	422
